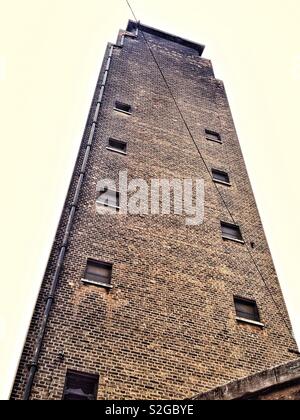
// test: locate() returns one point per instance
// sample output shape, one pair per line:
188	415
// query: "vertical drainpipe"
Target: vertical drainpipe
137	29
33	366
122	41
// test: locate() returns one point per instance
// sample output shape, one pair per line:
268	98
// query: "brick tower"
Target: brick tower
146	306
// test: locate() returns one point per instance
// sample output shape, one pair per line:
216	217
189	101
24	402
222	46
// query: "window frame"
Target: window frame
108	284
95	377
257	321
118	107
117	207
219	181
217	139
227	237
113	149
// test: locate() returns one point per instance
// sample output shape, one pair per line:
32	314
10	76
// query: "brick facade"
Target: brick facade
168	327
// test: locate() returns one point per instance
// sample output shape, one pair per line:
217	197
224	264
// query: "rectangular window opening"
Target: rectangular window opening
80	386
231	231
98	271
122	107
246	309
109	198
220	176
213	136
117	146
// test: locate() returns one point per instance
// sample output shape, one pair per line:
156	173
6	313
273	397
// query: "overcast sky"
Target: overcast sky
50	55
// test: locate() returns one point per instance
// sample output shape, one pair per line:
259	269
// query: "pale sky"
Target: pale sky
50	55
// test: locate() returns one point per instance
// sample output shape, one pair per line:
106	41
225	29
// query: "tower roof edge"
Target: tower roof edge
132	26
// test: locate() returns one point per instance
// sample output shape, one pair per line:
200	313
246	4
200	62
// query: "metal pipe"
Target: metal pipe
34	362
86	156
69	226
96	113
104	78
92	132
59	264
108	64
76	196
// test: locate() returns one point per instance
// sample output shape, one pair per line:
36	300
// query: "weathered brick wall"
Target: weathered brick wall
168	328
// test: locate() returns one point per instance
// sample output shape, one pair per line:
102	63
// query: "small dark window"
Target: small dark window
246	309
230	231
117	145
120	106
98	271
220	176
80	386
109	198
213	136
